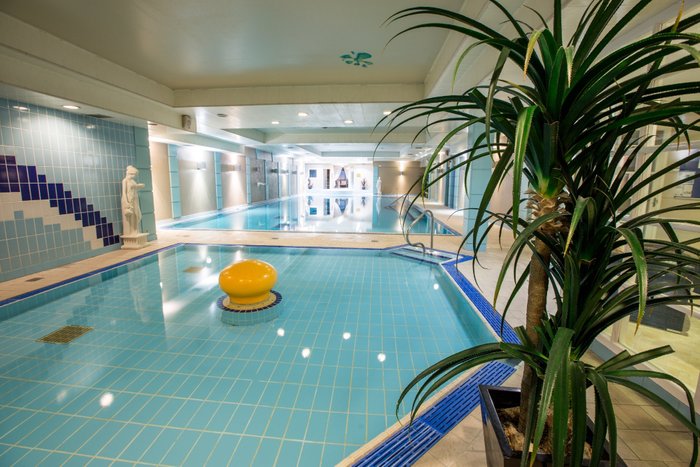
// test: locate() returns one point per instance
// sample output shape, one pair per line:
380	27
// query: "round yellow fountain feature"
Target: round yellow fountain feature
248	286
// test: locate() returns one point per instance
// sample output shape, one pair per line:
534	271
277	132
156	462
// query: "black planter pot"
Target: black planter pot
498	450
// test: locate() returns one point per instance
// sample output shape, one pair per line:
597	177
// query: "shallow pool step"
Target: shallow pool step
430	256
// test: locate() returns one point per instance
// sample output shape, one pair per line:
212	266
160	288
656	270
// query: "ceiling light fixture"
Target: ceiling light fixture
21	108
222	115
275	122
348	122
387	112
303	114
70	107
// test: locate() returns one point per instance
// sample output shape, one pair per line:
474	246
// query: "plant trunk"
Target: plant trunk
536	306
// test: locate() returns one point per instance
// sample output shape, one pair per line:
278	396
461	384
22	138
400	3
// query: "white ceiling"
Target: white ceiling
239	65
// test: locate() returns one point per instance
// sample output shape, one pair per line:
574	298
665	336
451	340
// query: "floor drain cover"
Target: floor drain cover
65	335
194	269
34	279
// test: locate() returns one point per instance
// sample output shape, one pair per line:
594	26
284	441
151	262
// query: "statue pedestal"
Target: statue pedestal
134	242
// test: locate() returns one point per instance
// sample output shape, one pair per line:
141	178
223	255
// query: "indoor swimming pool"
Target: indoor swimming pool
159	379
342	213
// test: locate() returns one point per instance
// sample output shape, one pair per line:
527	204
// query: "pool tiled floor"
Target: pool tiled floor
463	446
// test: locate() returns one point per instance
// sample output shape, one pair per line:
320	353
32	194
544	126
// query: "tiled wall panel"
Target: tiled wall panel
60	186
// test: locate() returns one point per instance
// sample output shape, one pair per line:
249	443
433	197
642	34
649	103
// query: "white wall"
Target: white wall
233	185
162	198
197	186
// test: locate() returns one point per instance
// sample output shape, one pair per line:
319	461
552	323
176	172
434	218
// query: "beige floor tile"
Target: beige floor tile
428	460
646	446
638	463
668	422
636	418
680	444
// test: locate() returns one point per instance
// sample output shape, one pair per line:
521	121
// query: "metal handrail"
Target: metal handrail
426	212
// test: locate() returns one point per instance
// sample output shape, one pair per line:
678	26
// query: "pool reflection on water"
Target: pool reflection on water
341	213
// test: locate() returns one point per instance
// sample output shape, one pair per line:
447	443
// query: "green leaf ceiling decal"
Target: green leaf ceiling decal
357	58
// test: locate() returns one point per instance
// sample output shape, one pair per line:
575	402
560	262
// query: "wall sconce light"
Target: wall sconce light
201	165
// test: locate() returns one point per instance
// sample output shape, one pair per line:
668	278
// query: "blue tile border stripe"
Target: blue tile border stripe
482	305
412	441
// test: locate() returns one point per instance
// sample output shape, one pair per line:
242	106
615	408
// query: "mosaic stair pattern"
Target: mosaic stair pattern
32	186
411	442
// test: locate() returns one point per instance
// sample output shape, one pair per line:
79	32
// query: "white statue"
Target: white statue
131	211
379	185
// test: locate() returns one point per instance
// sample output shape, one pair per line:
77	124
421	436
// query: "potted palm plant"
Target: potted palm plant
574	129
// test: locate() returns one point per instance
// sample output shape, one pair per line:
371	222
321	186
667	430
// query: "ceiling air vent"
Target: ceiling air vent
100	116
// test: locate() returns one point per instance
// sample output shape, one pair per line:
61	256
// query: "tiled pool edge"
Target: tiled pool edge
409	443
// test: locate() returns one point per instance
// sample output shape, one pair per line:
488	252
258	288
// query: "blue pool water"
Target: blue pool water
160	380
341	213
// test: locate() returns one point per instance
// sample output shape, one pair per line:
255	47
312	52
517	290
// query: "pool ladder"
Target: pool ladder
426	212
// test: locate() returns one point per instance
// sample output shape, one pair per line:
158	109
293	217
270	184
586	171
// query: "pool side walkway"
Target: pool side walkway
648	437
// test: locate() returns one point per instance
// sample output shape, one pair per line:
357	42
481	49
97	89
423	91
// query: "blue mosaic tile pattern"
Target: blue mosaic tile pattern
161	380
481	304
61	172
412	441
24	179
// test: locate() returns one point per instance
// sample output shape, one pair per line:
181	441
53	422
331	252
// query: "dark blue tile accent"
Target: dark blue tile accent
54	203
32	173
52	190
76	216
34	188
4	188
26	193
67	194
42	178
14	187
43	191
12	174
10	160
4	177
59	190
22	174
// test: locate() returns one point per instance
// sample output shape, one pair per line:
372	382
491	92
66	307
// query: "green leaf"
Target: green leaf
530	48
522	135
557	365
637	251
581	205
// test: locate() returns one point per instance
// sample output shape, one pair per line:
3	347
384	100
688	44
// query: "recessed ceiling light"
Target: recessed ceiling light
21	108
303	114
222	115
70	107
152	124
348	122
387	112
275	122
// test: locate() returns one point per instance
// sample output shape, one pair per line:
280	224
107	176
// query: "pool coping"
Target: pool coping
399	443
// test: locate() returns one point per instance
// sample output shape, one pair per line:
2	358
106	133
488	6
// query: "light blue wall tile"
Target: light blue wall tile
88	156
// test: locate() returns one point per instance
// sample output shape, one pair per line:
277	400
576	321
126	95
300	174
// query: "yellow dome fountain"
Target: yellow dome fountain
249	296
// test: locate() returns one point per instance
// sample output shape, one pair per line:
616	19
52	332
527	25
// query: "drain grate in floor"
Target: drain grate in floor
192	269
34	279
65	334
